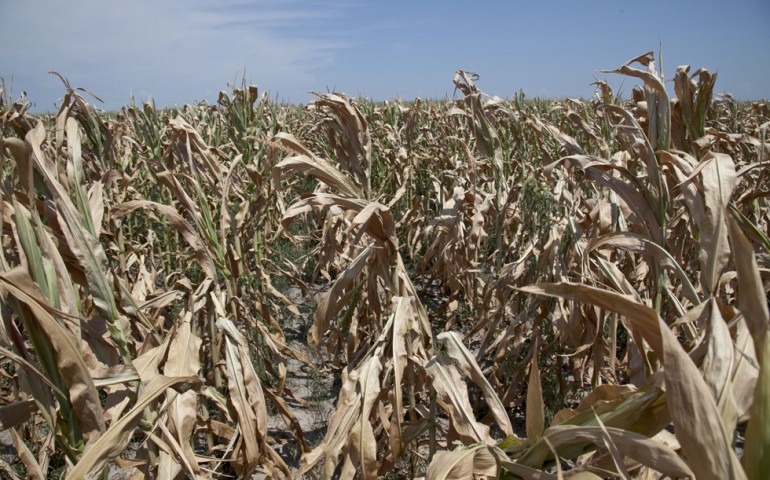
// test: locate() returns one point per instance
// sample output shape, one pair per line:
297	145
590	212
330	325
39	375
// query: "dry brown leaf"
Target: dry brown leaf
345	416
535	415
463	464
688	396
114	441
321	169
626	185
246	397
34	471
753	304
467	363
452	395
177	222
632	445
718	367
82	392
658	103
363	446
717	181
399	354
184	361
752	293
636	243
333	300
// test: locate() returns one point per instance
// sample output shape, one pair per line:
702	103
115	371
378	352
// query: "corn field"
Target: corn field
483	288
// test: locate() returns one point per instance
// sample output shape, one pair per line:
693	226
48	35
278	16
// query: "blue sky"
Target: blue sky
176	51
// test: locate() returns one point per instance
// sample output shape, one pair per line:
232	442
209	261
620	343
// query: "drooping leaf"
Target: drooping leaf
116	438
687	396
463	464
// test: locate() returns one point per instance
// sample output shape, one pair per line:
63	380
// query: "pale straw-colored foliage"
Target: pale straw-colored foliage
502	288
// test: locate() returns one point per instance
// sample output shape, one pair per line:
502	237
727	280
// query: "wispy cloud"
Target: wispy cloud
179	51
175	51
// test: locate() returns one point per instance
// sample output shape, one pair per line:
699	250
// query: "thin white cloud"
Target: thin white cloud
177	51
